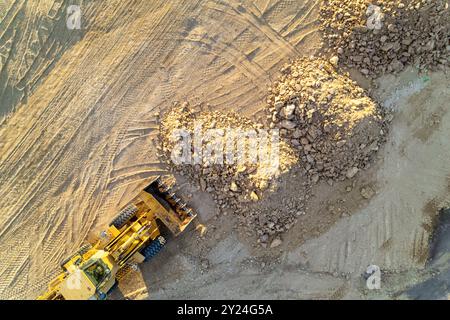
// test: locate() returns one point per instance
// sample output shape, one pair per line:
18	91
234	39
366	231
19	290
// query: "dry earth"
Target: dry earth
81	142
325	254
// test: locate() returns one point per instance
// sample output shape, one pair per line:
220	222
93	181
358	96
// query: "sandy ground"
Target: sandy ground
392	230
81	143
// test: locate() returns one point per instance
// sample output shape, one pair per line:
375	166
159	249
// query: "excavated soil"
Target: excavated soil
225	165
330	122
378	37
336	127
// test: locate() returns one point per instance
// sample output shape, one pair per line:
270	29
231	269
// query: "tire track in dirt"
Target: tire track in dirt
54	114
64	173
71	157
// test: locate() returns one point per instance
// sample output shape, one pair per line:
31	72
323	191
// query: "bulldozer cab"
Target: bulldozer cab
90	280
97	271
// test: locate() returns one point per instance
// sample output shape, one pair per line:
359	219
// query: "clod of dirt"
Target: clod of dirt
383	36
327	117
367	192
205	264
276	243
212	158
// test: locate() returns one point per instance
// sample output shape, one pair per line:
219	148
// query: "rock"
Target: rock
202	184
231	186
264	238
205	264
297	134
315	178
289	125
263	185
315	111
289	111
410	33
326	146
340	143
278	105
351	172
367	192
308	148
276	242
254	196
334	60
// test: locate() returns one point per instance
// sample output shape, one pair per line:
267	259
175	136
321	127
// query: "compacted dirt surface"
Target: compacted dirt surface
83	118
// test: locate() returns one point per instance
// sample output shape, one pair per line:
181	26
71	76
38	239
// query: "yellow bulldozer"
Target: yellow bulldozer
133	237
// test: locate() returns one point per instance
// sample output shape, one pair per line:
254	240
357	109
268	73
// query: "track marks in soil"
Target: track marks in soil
83	142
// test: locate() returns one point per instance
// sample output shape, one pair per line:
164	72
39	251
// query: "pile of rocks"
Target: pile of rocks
275	216
213	159
327	117
380	36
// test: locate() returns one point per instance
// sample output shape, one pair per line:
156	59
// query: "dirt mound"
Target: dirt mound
385	36
225	154
327	117
278	212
